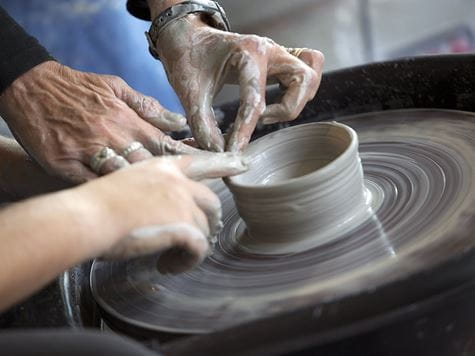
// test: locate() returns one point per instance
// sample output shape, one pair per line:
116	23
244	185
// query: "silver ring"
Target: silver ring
134	146
98	160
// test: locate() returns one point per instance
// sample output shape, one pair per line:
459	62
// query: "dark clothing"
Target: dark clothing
19	52
139	8
53	342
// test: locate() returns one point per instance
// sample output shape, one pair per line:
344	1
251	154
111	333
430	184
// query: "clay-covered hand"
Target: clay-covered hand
156	206
63	117
199	59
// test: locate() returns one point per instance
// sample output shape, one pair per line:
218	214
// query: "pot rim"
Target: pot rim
306	178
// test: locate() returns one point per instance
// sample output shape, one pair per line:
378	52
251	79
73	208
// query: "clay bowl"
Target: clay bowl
304	187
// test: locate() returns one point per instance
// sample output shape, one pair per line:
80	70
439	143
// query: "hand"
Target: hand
199	59
155	206
63	117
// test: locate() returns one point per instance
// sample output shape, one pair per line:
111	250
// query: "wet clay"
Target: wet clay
304	188
419	166
199	60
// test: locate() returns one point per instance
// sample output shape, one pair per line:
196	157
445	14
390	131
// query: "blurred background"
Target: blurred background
100	36
353	32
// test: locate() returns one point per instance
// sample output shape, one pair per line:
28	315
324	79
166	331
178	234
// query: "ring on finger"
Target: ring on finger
296	52
134	146
103	155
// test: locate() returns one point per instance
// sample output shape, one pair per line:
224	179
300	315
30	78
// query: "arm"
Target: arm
158	208
200	59
20	176
20	52
42	237
62	118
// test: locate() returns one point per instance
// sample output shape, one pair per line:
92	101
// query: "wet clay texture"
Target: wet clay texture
200	59
304	187
419	176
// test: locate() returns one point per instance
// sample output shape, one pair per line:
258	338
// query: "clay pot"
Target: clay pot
304	187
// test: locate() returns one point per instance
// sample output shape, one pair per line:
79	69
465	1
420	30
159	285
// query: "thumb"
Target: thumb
181	246
210	165
148	108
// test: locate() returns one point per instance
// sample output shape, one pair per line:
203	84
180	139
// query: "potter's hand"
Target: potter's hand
153	206
63	117
199	59
156	206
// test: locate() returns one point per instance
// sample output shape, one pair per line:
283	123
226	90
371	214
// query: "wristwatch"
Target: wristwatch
212	9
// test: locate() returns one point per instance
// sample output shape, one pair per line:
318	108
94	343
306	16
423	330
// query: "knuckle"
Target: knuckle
288	111
250	40
164	146
305	76
319	57
292	112
143	104
113	79
252	43
313	80
308	74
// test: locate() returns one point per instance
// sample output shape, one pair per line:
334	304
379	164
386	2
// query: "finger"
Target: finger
136	152
163	145
252	81
141	154
211	165
149	109
210	204
313	58
113	164
302	83
190	141
203	124
104	160
182	246
75	172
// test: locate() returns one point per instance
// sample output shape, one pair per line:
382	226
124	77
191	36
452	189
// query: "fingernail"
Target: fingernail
236	162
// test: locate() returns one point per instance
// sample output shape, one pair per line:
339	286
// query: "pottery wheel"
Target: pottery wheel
419	166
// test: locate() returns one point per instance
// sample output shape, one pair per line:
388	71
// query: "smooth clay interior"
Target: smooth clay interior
286	155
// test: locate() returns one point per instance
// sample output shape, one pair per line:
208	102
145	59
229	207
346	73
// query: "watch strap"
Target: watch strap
211	8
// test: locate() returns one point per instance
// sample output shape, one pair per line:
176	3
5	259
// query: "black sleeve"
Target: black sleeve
139	8
19	52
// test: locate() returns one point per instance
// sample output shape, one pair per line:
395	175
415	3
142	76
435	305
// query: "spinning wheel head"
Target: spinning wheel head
419	168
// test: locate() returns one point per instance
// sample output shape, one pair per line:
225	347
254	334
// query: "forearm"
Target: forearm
19	51
20	176
42	237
